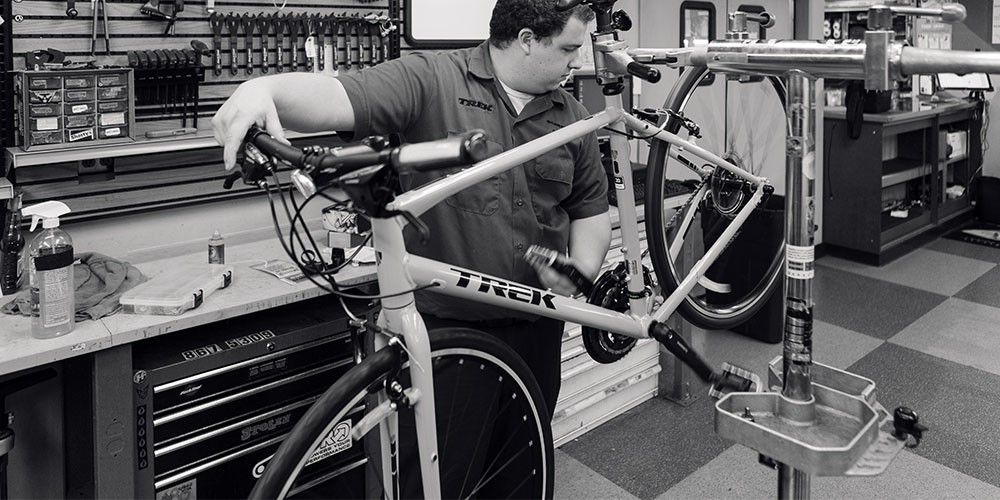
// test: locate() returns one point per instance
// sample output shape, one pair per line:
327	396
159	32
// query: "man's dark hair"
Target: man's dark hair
540	16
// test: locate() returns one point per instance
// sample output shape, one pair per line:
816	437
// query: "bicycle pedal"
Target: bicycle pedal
734	379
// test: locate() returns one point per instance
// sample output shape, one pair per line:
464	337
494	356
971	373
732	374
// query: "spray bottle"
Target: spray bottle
50	272
11	243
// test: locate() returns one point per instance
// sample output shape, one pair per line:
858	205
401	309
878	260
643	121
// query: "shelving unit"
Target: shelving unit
900	168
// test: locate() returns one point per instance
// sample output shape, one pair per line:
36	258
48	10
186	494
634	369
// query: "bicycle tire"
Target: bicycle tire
449	347
723	310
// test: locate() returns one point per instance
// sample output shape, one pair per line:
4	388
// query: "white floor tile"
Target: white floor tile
957	330
736	474
937	272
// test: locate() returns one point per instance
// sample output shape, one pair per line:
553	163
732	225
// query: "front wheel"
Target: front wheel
494	436
686	212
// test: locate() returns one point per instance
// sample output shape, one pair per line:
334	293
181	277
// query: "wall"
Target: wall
975	34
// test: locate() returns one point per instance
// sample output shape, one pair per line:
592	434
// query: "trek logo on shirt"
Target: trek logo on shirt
506	290
475	104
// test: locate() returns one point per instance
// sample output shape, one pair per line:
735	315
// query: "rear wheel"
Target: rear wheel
688	212
497	396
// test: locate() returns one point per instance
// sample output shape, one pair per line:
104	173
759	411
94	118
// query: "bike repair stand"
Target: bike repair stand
680	387
824	421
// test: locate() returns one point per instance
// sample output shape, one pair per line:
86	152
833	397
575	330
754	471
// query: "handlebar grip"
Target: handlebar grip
651	75
464	149
953	13
271	146
562	5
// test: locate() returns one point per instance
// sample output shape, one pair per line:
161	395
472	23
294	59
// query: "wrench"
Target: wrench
248	23
280	22
233	23
309	22
216	21
264	24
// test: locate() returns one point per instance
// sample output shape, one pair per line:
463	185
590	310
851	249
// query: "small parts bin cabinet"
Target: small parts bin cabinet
907	174
59	109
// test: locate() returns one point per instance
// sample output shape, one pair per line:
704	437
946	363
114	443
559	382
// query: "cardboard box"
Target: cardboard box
92	106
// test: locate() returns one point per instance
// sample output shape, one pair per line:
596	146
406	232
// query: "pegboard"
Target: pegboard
108	185
6	87
44	24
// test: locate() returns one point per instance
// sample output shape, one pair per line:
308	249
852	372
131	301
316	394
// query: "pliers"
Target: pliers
101	5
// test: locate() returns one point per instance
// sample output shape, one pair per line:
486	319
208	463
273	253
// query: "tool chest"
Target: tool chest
63	108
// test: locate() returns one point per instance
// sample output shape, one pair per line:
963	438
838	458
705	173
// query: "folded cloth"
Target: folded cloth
99	281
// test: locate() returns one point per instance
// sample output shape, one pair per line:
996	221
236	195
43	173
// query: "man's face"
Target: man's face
550	61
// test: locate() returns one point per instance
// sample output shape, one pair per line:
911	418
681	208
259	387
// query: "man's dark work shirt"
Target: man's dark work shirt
486	227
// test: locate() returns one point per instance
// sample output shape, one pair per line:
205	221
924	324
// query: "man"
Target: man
508	86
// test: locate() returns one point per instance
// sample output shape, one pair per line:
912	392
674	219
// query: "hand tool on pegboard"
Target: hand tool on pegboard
216	20
152	8
294	25
264	25
344	33
365	34
320	25
248	23
102	6
233	25
176	13
280	23
309	24
331	23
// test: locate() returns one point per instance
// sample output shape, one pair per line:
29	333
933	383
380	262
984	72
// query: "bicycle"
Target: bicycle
622	307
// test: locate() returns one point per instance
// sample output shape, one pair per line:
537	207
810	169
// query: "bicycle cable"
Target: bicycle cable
309	272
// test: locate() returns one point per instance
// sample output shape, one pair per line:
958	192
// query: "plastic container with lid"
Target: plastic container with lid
177	290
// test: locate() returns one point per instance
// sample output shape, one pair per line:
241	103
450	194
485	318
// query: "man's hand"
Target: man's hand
251	104
555	281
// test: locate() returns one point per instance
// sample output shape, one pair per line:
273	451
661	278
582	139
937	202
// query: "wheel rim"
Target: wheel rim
739	141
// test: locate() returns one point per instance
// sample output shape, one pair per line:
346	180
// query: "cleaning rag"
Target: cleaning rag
99	282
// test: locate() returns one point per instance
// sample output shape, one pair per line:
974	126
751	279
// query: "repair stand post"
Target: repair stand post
680	390
800	174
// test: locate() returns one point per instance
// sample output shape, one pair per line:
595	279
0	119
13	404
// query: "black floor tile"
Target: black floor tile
865	305
654	446
960	404
984	290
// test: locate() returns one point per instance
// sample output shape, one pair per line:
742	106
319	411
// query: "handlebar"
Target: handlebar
321	166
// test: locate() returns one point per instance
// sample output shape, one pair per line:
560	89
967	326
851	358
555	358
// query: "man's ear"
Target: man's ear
525	38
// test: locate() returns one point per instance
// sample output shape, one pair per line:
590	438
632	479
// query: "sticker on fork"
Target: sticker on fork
799	261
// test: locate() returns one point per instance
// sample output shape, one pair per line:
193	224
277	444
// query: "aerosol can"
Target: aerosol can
11	244
50	272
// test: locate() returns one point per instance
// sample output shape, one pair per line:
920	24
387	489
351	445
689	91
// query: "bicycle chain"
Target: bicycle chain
687	204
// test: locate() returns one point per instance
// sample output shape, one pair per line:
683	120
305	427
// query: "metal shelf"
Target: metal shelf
18	157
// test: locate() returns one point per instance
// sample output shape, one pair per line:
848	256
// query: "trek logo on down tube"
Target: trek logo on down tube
504	289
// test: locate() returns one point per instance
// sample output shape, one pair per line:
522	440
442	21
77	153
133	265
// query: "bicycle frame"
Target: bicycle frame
399	272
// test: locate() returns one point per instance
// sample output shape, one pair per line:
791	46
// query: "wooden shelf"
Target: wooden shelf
18	157
900	170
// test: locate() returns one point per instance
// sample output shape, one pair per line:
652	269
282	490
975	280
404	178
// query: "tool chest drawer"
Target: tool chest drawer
56	109
211	404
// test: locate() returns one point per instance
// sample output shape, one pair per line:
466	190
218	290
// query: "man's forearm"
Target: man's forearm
589	240
309	102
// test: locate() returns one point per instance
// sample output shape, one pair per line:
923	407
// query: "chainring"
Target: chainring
611	292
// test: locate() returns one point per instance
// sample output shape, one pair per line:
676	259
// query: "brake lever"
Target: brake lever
254	167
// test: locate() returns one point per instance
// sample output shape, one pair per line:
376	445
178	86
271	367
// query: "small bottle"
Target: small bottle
216	249
11	244
50	272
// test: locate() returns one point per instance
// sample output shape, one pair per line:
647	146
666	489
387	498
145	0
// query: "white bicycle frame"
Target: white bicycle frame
400	272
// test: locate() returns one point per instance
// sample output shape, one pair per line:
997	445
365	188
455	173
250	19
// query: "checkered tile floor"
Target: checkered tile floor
925	328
